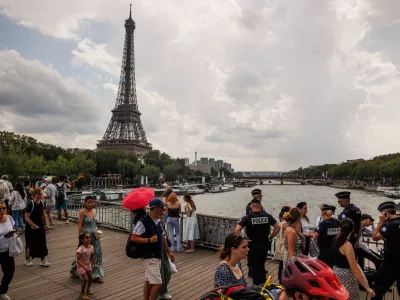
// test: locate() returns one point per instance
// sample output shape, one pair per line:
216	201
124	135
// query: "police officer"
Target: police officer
388	229
258	226
325	234
352	212
257	194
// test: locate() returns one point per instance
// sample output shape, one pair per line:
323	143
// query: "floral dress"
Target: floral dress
89	226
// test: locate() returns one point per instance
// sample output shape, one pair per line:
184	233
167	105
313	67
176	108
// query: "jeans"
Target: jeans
173	225
18	216
8	268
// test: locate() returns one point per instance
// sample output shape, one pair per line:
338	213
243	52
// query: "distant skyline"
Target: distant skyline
265	85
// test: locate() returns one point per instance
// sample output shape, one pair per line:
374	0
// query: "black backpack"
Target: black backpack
132	249
60	196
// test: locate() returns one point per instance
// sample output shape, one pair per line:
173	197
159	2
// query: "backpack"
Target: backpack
132	249
60	195
33	205
269	291
238	292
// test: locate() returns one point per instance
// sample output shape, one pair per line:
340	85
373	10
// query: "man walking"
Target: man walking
148	235
61	199
256	194
258	226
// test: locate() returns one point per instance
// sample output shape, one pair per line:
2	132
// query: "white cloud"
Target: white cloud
264	84
36	100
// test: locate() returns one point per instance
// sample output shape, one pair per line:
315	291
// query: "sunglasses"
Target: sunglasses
87	237
242	235
3	208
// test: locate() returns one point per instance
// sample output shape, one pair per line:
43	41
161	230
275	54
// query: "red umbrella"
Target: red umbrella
138	198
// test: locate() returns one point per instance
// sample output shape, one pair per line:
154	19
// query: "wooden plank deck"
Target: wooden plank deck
123	276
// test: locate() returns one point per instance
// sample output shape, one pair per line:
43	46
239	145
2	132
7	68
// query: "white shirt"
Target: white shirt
16	201
305	226
52	191
5	228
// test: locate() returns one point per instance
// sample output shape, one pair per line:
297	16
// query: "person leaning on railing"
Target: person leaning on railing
388	229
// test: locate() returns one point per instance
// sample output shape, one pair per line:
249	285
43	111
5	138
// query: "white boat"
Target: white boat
392	193
215	189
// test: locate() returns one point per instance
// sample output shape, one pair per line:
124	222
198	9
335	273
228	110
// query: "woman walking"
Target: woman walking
173	226
294	240
7	262
192	227
35	234
229	271
87	223
17	204
346	267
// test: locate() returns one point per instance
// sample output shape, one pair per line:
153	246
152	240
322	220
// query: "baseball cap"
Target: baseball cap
156	202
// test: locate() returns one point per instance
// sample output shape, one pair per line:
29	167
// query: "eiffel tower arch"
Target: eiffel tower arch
125	130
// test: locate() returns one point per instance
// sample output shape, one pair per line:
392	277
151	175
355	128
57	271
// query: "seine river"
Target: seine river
233	204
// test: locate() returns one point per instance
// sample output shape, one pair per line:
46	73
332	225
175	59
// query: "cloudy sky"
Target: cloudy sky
265	85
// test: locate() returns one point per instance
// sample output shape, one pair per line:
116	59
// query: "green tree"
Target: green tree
152	172
81	164
172	171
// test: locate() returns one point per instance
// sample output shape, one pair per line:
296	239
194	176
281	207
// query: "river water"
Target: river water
233	204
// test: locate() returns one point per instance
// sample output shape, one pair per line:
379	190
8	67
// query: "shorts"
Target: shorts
152	270
49	208
61	205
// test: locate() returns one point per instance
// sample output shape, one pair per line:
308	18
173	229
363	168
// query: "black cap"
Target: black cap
256	192
386	205
343	195
255	201
328	207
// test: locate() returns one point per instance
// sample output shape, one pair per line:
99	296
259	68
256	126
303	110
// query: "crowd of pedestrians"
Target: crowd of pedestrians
336	242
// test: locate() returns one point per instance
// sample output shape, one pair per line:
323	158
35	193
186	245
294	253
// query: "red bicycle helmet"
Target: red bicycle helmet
313	277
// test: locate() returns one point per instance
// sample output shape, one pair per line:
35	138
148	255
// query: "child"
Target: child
84	253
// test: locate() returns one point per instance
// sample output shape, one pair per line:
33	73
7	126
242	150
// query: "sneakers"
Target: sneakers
83	297
44	263
166	297
89	292
67	222
4	297
28	263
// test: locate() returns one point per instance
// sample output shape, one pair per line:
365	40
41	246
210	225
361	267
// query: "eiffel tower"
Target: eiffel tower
125	131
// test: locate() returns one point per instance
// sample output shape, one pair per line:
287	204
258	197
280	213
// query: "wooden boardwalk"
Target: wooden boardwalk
123	276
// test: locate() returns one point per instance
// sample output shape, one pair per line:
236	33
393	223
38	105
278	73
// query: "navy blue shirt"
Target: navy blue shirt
352	212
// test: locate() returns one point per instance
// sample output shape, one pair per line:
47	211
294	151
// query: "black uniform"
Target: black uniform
327	230
389	271
352	212
258	227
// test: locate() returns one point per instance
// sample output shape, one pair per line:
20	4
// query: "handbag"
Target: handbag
280	247
15	247
99	234
314	250
172	267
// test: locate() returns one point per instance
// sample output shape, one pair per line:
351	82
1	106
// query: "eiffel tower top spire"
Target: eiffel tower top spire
125	130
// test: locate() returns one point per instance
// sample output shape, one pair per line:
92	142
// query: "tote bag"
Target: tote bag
16	246
280	247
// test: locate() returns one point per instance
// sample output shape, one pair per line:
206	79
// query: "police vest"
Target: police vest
328	230
258	229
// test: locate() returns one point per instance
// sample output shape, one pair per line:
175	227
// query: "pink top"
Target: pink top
85	258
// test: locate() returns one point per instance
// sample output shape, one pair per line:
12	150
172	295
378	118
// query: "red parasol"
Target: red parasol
138	198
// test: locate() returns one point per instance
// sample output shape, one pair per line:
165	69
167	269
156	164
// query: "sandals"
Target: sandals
98	280
89	292
83	297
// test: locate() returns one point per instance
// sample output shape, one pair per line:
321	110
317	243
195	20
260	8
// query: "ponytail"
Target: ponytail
346	228
293	215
